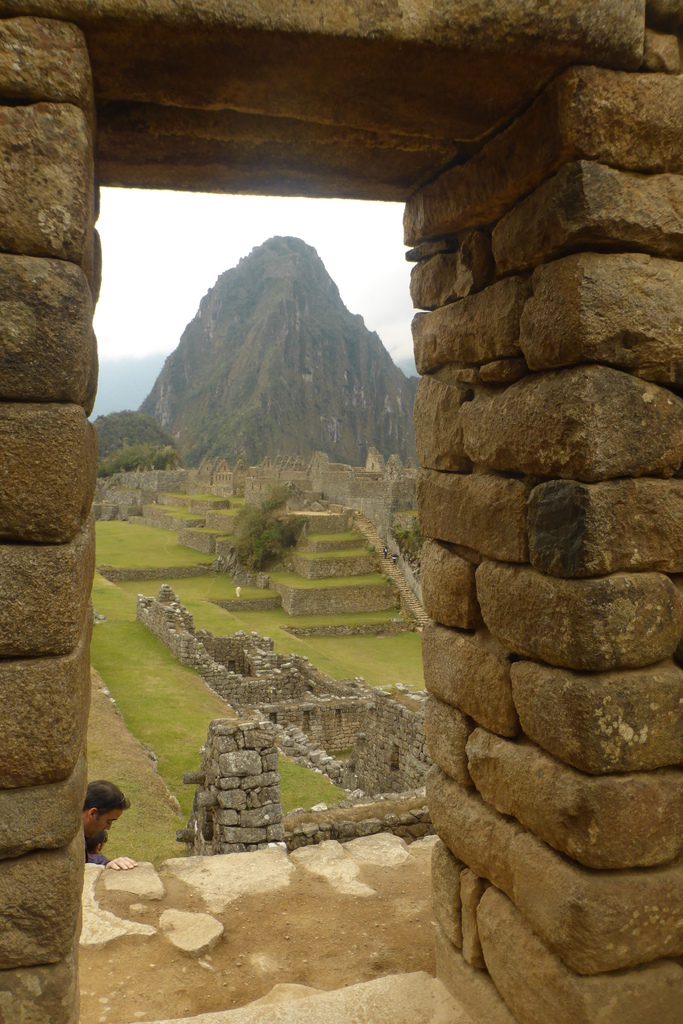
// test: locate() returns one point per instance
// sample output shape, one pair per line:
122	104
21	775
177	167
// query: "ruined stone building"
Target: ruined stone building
538	147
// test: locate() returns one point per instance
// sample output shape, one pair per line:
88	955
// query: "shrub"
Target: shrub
139	456
264	532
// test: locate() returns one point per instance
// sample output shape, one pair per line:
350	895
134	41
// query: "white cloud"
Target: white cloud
162	251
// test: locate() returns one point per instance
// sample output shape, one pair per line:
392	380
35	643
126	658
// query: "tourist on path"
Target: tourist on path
104	803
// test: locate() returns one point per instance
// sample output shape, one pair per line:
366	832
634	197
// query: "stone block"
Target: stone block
472	989
241	763
44	60
585	113
56	693
244	835
588	204
661	54
446	891
46	182
664	14
622	621
45	329
193	933
503	371
446	277
476	329
40	902
449	592
50	455
45	595
595	921
610	821
93	377
438	434
41	995
261	817
485	512
538	987
447	730
42	817
624	309
586	423
577	529
475	833
472	888
235	799
471	672
627	721
226	817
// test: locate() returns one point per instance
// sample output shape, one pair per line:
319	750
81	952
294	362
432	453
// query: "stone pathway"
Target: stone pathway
408	600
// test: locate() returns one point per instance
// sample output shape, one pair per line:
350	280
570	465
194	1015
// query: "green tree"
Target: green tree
264	531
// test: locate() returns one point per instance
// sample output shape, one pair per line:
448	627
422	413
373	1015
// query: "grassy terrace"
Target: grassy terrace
348	535
371	579
345	553
176	511
127	546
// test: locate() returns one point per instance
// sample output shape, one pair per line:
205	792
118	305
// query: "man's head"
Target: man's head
104	803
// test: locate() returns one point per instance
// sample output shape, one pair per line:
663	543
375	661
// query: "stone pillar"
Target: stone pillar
48	461
549	426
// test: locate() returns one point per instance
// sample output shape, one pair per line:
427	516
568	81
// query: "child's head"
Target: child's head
96	842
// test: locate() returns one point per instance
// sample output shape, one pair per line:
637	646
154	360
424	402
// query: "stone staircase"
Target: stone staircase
409	602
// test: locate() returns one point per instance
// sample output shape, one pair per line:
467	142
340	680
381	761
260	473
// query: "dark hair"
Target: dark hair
92	842
104	796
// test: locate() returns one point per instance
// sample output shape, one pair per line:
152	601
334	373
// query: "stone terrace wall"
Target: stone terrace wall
325	568
237	805
336	600
410	825
390	752
549	426
116	575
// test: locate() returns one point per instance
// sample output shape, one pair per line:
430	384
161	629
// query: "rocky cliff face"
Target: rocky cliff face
274	363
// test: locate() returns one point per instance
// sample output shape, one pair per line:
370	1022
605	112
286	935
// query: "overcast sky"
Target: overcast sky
162	251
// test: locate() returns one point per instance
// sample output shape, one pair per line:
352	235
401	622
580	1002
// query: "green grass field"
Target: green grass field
344	553
132	545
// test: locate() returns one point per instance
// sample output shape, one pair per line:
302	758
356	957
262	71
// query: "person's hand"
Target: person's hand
122	864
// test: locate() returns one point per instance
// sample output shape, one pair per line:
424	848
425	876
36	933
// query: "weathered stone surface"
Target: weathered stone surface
449	592
664	14
613	821
93	377
578	529
384	850
50	455
447	730
585	113
594	920
482	511
438	434
240	762
45	329
42	817
538	987
99	927
142	882
471	672
424	251
39	905
221	879
629	721
661	53
44	60
54	692
45	595
622	621
192	933
41	995
477	329
590	204
446	277
473	988
46	182
586	423
624	309
503	371
472	888
475	833
329	861
446	892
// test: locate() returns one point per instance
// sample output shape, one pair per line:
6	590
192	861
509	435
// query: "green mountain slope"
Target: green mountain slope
274	363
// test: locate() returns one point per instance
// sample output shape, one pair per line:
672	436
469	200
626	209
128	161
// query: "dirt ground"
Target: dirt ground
306	933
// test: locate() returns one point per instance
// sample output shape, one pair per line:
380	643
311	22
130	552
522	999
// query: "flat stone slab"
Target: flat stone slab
101	926
396	999
329	860
222	879
142	881
192	933
383	849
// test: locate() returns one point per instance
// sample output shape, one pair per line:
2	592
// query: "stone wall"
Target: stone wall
390	752
549	425
49	282
414	823
117	575
237	805
336	600
327	567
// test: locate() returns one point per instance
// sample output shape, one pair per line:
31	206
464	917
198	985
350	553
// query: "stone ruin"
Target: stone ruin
539	151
